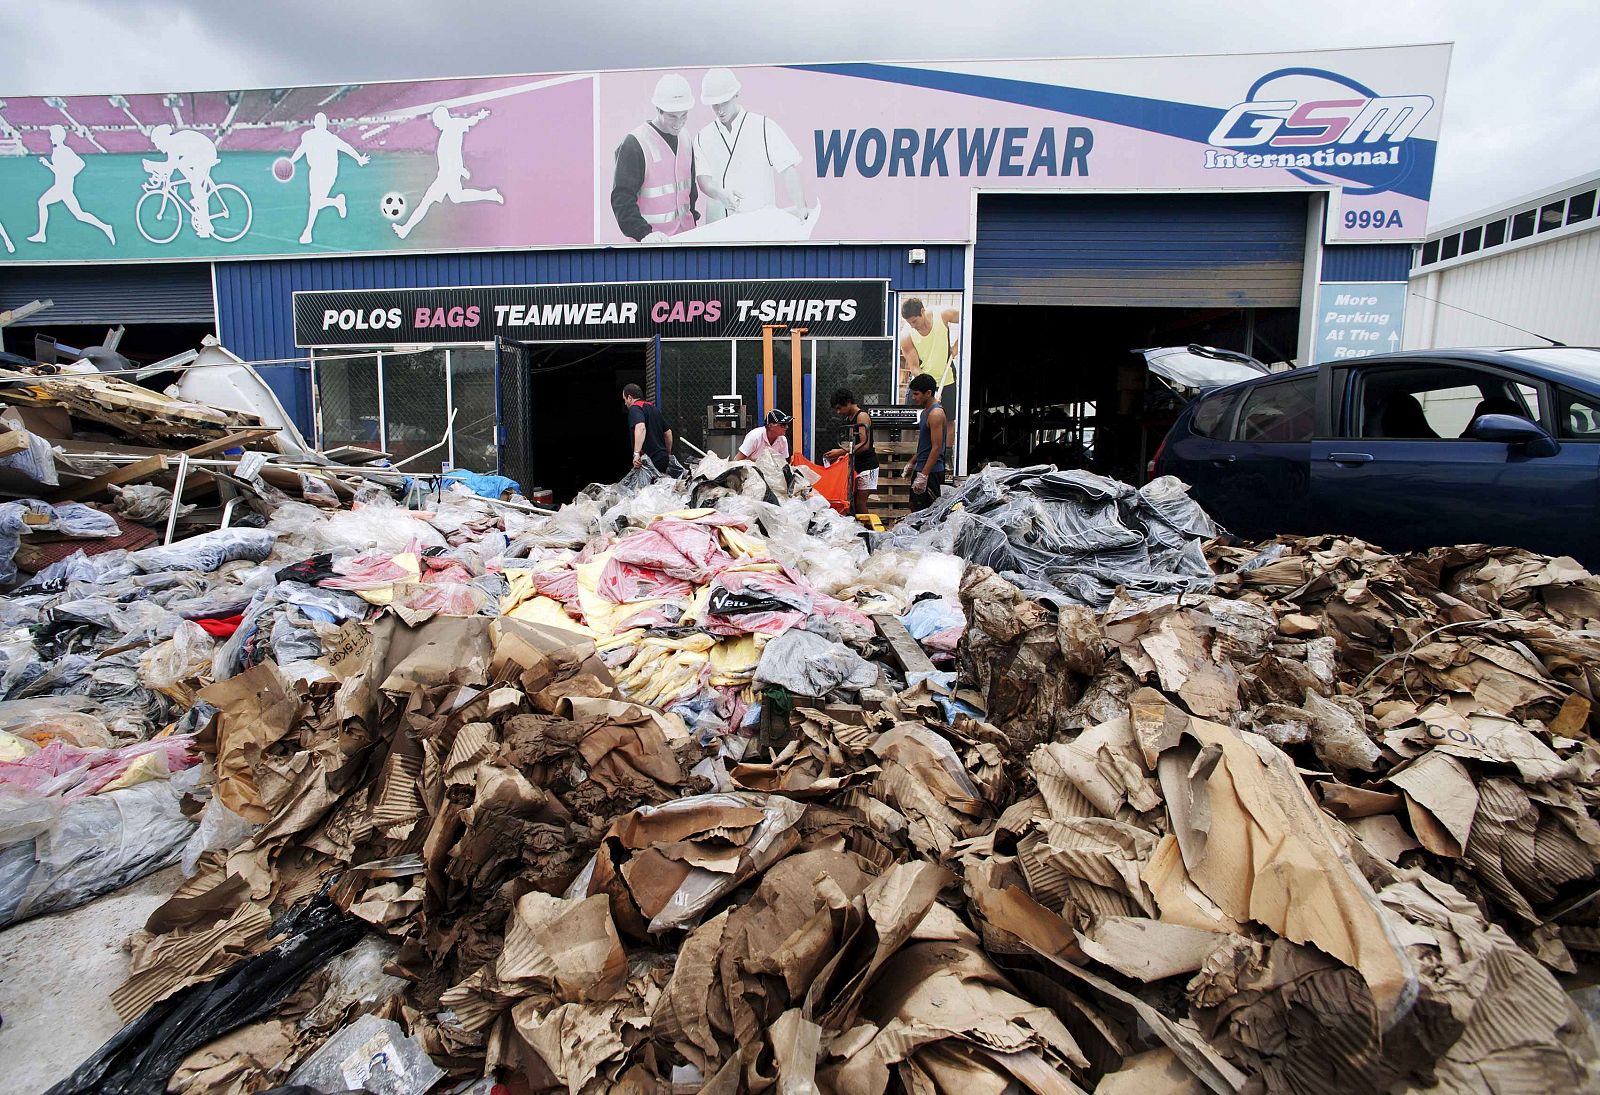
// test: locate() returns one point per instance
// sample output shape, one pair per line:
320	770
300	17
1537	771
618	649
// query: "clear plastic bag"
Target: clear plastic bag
807	664
37	461
219	830
371	1054
146	503
56	855
207	552
184	657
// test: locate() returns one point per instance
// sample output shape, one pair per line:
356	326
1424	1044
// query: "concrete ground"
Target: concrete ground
56	974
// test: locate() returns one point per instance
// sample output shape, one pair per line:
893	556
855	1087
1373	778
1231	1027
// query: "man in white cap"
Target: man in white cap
738	154
653	189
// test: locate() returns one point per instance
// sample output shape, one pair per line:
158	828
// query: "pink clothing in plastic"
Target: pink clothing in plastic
677	548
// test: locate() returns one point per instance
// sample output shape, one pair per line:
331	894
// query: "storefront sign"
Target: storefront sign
1359	319
819	153
589	313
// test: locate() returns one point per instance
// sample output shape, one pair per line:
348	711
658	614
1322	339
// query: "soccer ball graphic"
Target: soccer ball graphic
393	205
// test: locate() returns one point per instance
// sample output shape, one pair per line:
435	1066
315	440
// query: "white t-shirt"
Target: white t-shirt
746	157
755	443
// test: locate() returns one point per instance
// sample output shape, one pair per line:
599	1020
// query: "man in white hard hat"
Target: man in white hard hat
738	154
653	188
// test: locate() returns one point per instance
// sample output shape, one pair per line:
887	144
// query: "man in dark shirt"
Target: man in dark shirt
672	104
652	439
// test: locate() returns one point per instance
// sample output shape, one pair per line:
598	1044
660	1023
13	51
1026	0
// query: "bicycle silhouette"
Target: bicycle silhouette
161	209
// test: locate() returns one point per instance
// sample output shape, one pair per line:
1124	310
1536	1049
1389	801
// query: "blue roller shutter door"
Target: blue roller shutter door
1141	250
127	293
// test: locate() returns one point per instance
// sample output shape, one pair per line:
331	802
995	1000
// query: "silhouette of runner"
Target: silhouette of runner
66	165
452	170
320	149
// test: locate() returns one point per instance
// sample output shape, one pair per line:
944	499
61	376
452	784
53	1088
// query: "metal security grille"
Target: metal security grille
514	411
472	391
415	406
692	374
348	410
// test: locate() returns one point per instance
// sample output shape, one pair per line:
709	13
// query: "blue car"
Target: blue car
1406	450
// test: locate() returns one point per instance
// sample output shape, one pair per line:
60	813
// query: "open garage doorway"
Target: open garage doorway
562	418
1067	287
1065	385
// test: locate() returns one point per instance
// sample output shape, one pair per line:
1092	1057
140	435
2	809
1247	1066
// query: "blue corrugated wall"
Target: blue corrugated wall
1367	262
255	318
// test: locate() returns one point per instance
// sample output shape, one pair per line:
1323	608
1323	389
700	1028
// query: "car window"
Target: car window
1577	416
1214	414
1279	412
1429	402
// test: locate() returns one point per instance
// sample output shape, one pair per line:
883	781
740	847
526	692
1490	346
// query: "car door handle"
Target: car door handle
1221	461
1349	459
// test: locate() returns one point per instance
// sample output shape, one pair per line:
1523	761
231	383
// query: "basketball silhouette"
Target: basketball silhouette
283	169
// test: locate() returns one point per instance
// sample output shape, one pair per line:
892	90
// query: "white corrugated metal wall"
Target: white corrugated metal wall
1552	287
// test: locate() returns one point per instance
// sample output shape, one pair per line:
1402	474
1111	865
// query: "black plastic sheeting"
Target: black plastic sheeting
142	1056
1071	536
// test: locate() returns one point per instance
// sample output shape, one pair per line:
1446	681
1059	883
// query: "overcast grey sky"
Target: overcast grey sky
1519	113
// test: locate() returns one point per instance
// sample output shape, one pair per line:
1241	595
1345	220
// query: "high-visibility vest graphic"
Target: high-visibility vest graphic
933	349
668	175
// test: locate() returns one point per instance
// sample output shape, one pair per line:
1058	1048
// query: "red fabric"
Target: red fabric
834	481
222	627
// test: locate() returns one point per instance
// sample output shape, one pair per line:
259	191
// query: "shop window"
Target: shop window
1522	225
1552	215
1580	207
1430	252
1279	412
693	372
472	379
1450	247
1471	240
1494	233
414	403
347	401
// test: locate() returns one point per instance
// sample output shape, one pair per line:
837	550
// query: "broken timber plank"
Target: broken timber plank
128	473
12	441
902	647
155	465
236	440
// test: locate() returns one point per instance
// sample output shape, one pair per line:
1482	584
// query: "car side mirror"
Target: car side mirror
1513	429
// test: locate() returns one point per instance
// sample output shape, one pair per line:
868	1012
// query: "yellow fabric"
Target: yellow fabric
385	595
548	611
148	767
741	545
736	657
15	748
933	349
519	588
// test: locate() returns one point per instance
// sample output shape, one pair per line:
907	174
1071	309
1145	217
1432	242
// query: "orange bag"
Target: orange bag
834	484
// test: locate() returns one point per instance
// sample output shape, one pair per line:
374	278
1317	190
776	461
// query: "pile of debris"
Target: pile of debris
1329	826
692	785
